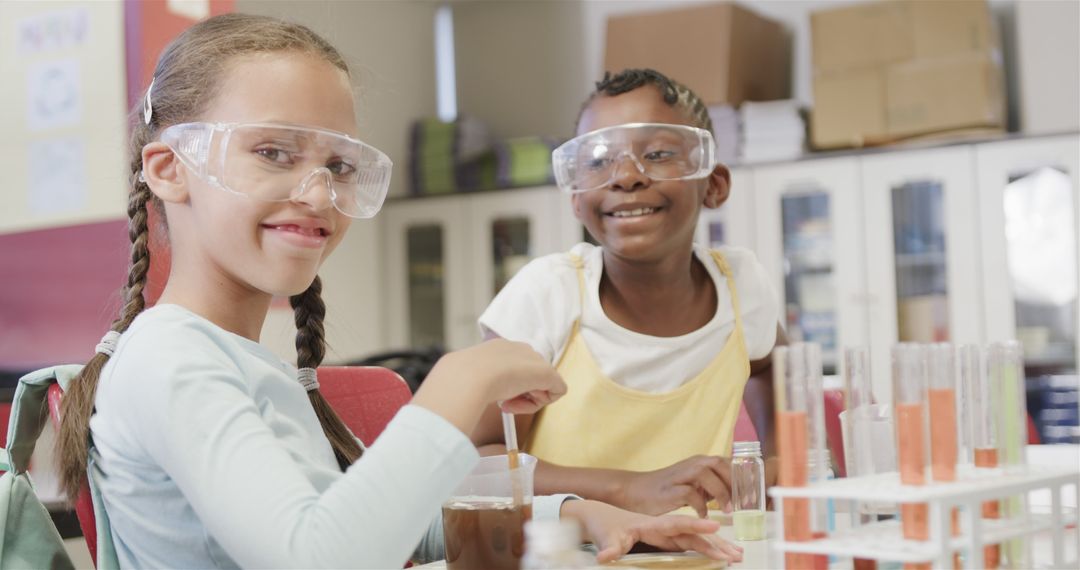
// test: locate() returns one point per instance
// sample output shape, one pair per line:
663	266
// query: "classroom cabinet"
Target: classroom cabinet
445	258
809	238
969	243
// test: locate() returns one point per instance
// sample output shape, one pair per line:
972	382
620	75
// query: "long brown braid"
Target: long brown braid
186	79
674	93
308	312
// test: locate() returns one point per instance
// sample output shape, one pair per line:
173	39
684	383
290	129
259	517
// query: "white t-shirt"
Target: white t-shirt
213	458
539	305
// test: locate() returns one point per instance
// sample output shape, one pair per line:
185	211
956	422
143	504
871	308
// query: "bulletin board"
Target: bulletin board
69	71
63	147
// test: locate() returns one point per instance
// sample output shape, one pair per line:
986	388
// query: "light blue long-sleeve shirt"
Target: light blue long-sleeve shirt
212	457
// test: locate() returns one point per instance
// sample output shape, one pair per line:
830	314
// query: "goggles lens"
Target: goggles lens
277	163
659	151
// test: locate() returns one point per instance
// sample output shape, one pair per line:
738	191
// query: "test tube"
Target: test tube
909	396
941	395
858	444
969	357
789	380
983	394
1005	366
818	467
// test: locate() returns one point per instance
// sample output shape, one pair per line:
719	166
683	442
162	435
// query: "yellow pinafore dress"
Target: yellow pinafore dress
599	423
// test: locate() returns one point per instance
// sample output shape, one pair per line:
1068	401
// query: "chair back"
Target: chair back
365	397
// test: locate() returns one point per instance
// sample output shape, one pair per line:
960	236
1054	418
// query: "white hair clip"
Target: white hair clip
148	109
308	378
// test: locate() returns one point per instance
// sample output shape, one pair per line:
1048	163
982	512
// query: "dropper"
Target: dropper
510	435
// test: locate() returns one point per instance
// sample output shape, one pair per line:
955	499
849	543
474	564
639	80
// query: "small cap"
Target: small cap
743	448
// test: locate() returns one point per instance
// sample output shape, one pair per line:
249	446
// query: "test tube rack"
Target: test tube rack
883	540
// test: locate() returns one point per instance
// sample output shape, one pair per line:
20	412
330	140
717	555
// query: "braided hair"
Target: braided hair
674	93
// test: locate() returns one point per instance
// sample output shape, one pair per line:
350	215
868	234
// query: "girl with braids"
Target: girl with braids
207	450
659	339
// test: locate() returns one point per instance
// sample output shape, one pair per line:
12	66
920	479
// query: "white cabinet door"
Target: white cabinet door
1029	195
809	238
921	251
733	222
427	262
506	231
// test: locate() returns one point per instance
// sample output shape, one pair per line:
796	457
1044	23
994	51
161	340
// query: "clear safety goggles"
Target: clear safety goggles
276	163
659	151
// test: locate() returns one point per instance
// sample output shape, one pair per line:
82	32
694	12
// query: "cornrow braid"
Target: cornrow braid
77	405
308	313
674	93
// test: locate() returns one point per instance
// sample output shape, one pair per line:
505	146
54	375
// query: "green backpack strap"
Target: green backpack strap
29	412
28	537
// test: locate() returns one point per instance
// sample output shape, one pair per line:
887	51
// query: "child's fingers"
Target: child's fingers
614	547
682	524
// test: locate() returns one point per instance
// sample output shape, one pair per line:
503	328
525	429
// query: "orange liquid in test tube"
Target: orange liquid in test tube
792	435
912	452
943	450
988	457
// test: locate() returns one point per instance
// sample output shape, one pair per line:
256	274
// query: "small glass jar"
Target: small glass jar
748	491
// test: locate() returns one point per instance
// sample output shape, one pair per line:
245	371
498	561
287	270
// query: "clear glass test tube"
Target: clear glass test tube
858	435
941	397
1005	367
982	393
969	358
789	383
909	404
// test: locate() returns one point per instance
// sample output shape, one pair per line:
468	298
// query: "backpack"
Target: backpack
28	537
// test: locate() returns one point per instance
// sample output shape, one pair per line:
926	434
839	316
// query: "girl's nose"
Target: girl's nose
628	174
316	190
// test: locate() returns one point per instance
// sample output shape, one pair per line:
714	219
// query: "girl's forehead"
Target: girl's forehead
642	105
293	88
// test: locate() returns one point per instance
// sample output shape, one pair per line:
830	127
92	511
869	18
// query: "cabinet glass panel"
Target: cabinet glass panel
510	248
922	309
1041	241
427	297
808	271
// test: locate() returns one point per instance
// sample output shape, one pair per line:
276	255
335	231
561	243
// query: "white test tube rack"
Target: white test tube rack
883	540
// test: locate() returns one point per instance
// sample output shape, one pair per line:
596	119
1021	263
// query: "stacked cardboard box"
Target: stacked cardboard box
726	53
893	69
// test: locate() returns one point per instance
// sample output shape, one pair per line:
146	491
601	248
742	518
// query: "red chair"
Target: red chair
5	416
365	397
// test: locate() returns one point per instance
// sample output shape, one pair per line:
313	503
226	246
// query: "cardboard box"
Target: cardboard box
926	96
884	32
849	109
726	53
893	69
880	105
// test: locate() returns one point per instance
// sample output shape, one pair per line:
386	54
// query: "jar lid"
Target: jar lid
743	448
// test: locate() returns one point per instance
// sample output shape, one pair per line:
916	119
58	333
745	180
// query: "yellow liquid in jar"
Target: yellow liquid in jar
749	525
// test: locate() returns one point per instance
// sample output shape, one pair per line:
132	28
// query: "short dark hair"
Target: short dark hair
674	93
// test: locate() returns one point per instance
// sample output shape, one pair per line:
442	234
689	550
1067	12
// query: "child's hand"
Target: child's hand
615	531
463	383
693	481
690	482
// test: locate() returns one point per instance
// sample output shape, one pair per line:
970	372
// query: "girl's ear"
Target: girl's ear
576	203
719	187
161	169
